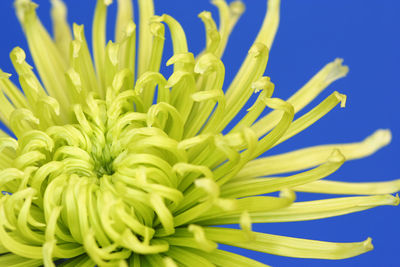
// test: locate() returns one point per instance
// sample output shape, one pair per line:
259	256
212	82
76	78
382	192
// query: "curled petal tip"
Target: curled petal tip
380	138
130	28
157	29
23	7
237	7
257	49
108	2
396	199
342	98
156	18
336	156
336	70
18	54
261	84
368	244
287	193
205	14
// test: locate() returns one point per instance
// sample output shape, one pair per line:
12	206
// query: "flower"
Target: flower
115	166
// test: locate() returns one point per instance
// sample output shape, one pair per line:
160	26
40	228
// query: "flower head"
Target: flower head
113	164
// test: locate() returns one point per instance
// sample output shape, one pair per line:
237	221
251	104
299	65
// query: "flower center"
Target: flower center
110	166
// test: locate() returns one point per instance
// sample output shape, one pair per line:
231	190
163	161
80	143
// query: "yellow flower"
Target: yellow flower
118	166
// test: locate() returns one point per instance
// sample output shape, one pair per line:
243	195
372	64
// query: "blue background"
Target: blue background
312	33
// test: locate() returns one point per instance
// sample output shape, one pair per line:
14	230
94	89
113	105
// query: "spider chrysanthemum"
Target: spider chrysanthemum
113	164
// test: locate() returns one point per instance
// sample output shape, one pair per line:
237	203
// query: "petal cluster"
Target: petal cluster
110	163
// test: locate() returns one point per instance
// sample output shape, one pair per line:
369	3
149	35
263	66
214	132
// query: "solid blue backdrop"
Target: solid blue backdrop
311	34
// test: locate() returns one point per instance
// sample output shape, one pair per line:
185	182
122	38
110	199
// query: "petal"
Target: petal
61	29
345	188
124	18
259	186
289	246
240	89
250	204
146	12
99	41
81	62
314	115
127	53
270	24
14	245
330	73
212	35
11	91
48	60
318	209
312	156
229	16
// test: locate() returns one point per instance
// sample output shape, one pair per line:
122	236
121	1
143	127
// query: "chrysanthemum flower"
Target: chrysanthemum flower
113	164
